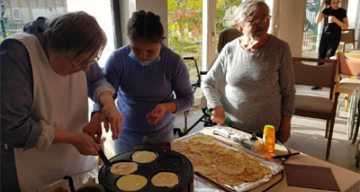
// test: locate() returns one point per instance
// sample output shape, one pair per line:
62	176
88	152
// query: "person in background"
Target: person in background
335	20
147	76
47	74
252	80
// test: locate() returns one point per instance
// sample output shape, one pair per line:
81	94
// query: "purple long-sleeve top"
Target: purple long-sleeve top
140	88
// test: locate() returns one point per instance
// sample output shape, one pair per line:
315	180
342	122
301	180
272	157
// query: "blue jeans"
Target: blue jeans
127	141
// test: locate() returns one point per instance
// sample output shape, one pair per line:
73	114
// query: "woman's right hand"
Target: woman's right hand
323	2
85	144
94	128
218	115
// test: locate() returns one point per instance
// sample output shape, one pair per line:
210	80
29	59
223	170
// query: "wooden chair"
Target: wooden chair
315	106
347	37
227	35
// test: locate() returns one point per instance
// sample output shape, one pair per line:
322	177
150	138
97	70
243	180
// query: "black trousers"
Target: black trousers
328	45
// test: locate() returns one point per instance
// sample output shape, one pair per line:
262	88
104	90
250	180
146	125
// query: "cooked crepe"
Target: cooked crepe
143	156
207	170
196	158
123	168
131	182
232	169
165	179
220	163
228	179
179	146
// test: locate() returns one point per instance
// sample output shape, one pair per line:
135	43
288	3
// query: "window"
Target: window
16	13
184	30
310	29
226	11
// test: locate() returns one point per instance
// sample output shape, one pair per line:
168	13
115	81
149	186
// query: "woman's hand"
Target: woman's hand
157	114
94	128
113	117
85	144
320	15
285	128
112	120
323	3
218	115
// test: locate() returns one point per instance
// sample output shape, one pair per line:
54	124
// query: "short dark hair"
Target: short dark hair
145	26
75	32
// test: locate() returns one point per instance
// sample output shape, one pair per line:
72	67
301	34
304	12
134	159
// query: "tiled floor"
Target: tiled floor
307	136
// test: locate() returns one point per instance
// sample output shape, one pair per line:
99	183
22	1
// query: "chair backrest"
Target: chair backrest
227	35
347	37
309	73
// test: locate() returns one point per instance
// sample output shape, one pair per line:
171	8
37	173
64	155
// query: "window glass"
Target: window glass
226	11
16	13
184	30
310	29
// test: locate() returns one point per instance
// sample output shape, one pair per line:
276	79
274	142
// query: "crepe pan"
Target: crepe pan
166	161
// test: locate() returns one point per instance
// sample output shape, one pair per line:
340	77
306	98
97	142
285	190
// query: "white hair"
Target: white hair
247	8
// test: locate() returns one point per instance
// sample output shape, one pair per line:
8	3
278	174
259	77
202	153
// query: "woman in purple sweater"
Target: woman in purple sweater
146	76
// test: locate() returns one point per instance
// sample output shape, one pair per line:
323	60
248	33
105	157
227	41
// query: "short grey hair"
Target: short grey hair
248	8
76	32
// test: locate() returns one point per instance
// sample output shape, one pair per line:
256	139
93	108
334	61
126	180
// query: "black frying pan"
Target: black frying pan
167	160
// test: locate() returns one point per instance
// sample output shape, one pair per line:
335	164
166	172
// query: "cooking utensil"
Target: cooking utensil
285	156
166	161
103	157
71	183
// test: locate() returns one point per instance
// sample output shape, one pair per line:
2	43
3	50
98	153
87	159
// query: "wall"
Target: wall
126	8
158	7
101	10
289	18
353	13
208	33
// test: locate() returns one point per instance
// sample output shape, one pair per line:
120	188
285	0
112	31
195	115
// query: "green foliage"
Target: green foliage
185	24
185	17
221	7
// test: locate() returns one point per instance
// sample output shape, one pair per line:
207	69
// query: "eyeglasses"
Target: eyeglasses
83	64
259	19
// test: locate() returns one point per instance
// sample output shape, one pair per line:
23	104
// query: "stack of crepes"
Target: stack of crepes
219	163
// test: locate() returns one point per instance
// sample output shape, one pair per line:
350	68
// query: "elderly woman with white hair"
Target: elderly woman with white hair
257	73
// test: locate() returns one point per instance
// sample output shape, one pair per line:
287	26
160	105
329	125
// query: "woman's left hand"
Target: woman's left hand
285	128
157	114
112	119
94	128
